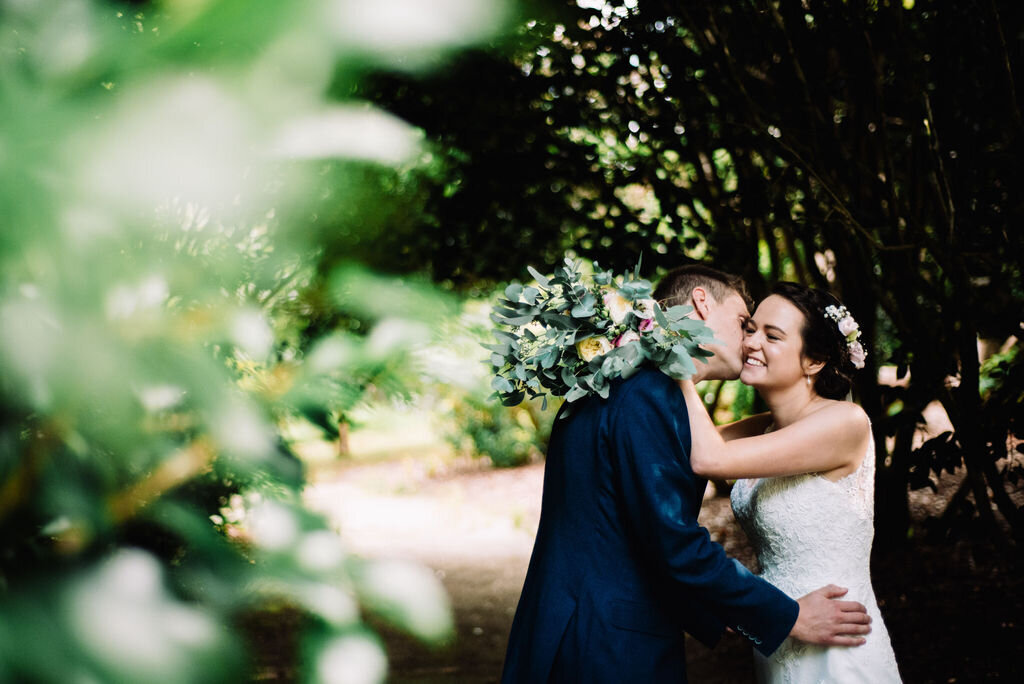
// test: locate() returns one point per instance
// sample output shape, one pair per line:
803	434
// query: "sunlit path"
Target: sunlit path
474	529
471	517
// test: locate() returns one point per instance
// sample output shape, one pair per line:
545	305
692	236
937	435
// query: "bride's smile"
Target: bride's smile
772	345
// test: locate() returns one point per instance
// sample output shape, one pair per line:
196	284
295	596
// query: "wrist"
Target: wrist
798	631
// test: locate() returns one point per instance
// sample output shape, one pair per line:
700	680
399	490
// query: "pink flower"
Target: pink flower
857	355
647	325
847	325
625	338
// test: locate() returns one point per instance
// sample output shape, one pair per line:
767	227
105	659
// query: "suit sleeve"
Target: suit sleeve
650	439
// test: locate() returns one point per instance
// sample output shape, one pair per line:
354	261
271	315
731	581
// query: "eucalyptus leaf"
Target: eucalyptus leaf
513	399
612	366
575	392
550	357
503	336
583	310
681	360
501	384
636	289
502	349
678	311
632	354
558	321
659	317
517	311
690	324
538	276
519	320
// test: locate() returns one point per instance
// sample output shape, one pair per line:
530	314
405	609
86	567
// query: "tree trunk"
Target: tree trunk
967	422
343	446
892	511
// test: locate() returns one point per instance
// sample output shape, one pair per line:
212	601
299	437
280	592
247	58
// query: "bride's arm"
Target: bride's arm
834	438
747	427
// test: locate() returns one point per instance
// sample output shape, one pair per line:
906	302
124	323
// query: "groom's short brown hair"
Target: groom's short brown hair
677	285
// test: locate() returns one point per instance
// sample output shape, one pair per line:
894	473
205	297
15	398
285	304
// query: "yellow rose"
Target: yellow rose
593	347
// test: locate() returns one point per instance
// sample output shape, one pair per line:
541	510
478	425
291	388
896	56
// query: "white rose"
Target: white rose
645	308
593	347
618	306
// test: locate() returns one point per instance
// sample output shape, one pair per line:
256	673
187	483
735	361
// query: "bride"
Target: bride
807	494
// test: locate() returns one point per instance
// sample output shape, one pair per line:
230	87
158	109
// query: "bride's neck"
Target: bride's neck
787	404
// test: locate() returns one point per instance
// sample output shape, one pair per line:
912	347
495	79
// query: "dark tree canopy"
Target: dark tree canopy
868	148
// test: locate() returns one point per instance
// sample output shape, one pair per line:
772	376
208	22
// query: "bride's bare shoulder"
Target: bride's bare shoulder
844	419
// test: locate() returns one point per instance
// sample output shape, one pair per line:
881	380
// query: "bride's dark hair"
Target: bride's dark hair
822	339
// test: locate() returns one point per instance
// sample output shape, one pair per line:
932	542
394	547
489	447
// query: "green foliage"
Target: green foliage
571	338
181	275
743	400
508	437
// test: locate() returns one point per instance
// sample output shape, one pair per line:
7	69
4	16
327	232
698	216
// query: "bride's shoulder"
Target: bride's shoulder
844	419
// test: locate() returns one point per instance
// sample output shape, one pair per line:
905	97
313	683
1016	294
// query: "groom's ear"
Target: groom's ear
700	300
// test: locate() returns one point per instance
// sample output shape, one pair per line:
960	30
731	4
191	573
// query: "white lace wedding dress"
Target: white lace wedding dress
808	532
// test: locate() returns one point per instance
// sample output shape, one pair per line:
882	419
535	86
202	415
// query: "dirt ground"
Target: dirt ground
954	612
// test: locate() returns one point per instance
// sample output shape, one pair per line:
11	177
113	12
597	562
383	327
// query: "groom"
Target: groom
620	567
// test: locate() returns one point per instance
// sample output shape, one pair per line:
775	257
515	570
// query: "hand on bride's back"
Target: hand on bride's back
826	620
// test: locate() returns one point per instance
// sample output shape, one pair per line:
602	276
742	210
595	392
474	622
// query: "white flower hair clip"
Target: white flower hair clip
849	329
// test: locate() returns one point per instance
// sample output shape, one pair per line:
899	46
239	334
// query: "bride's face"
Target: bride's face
773	345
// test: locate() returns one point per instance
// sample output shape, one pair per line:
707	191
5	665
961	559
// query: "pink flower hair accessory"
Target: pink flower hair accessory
850	331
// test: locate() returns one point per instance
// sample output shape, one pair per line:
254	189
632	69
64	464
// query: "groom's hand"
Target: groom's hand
827	621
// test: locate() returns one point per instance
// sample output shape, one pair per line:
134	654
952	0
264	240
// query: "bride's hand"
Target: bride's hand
826	621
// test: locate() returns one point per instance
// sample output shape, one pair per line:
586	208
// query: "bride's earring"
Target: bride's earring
808	379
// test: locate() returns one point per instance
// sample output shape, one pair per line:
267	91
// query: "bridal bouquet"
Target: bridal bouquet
571	335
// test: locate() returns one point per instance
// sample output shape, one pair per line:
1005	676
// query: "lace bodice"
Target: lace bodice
809	531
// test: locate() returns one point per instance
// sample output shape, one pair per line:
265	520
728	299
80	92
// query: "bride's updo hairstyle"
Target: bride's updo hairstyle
822	339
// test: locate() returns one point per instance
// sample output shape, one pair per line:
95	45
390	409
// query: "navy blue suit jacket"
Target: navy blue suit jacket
620	567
